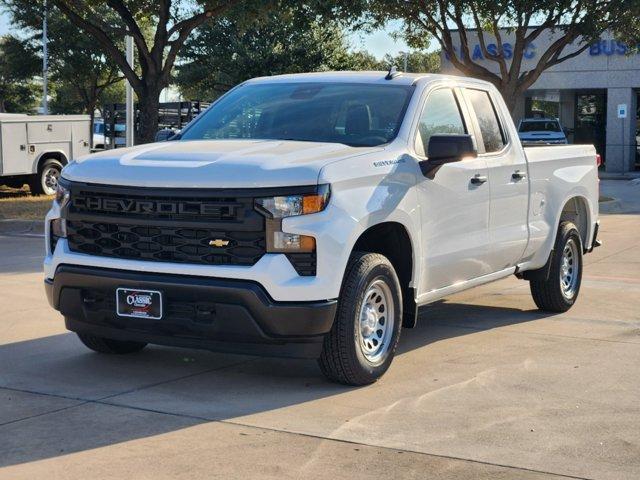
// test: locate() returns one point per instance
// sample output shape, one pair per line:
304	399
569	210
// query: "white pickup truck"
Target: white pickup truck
311	215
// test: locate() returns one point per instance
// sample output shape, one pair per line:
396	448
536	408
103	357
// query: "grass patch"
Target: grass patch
18	203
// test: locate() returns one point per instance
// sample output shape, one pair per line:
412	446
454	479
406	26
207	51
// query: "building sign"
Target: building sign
601	47
492	49
622	110
608	47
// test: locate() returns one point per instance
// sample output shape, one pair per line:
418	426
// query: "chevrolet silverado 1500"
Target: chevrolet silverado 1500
311	215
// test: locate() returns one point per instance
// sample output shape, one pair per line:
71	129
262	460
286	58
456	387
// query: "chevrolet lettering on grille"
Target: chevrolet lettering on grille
117	205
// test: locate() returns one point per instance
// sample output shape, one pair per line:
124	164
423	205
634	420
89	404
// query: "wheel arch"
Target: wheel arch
392	239
576	210
50	154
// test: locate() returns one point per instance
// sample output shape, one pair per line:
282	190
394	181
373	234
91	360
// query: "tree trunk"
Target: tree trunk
510	96
149	104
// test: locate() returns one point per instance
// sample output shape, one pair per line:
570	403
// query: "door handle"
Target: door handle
478	179
518	175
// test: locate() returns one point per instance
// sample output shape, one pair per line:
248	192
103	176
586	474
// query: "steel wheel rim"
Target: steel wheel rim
376	321
50	176
569	269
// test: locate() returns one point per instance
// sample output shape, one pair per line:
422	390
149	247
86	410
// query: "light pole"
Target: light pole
45	64
129	106
406	59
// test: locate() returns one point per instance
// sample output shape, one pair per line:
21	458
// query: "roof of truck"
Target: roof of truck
373	77
21	117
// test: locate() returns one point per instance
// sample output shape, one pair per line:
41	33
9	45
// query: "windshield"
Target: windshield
540	126
353	114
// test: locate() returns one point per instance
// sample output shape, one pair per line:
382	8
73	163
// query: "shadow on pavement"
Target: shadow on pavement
191	386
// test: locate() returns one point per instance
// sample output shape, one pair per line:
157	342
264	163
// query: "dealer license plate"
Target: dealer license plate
139	303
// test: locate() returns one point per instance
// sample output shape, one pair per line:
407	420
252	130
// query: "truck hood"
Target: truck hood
212	164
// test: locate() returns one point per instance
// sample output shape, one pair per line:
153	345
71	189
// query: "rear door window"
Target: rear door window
493	137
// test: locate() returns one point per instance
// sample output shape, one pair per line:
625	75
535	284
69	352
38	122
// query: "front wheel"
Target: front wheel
559	292
362	342
46	180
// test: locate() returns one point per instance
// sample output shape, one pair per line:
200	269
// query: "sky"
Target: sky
377	43
4	28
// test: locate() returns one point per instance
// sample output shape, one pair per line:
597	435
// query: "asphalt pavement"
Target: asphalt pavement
486	387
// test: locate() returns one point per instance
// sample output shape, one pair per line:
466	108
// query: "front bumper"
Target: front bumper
208	313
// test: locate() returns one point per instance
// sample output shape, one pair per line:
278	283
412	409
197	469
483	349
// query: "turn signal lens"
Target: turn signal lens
312	204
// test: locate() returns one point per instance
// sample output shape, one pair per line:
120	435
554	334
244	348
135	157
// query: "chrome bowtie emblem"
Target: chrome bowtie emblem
218	242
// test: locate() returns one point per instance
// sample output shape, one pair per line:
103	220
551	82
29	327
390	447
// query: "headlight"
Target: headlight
277	208
292	205
62	193
58	226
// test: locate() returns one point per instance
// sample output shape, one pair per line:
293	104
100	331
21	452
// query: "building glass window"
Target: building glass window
591	120
440	114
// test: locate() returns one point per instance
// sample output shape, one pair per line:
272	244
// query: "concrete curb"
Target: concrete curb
619	176
21	227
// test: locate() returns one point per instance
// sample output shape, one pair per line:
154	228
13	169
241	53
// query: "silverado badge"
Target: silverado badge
218	242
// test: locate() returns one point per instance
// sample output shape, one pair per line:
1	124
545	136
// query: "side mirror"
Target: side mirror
164	135
446	148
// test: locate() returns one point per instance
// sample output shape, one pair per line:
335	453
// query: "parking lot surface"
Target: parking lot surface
486	387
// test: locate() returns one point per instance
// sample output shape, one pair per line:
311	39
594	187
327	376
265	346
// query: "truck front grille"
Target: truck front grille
165	244
185	226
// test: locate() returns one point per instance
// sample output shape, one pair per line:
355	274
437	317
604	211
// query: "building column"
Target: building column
620	132
568	111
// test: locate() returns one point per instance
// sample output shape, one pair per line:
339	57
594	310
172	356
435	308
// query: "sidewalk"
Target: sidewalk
626	195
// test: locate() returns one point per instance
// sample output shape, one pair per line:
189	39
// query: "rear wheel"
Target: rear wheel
559	292
362	342
107	345
46	180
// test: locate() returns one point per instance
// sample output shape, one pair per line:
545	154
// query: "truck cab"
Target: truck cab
312	215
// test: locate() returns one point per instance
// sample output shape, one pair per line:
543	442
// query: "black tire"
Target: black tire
107	345
549	294
41	183
343	357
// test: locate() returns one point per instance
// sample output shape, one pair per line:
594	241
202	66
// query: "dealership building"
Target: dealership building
595	95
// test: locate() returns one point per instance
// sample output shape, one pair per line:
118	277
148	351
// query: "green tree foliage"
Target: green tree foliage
226	52
417	62
79	70
455	24
18	65
159	30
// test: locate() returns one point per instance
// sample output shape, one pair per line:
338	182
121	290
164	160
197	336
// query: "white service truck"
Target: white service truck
34	149
312	215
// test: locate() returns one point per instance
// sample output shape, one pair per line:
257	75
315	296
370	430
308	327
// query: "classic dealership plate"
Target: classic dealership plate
139	303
